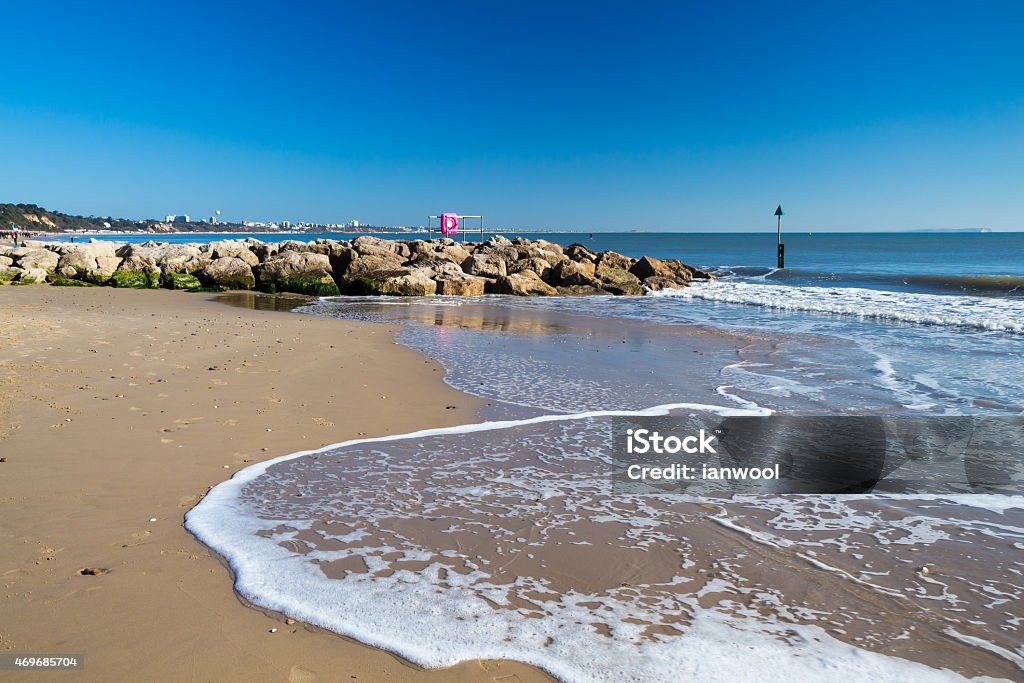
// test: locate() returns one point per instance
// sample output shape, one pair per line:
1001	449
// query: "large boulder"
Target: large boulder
614	260
648	267
460	284
549	246
417	247
181	258
656	283
372	263
341	257
375	246
618	280
299	272
436	263
6	261
453	252
673	269
9	273
136	279
446	249
508	253
568	273
296	246
137	271
237	248
146	250
578	252
500	241
139	262
534	265
526	283
397	282
264	250
699	274
229	273
39	258
93	262
552	258
32	276
486	264
180	281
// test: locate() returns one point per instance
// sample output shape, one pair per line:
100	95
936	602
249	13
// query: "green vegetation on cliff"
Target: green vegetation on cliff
33	218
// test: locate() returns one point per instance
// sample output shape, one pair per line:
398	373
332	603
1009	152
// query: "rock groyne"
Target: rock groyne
364	266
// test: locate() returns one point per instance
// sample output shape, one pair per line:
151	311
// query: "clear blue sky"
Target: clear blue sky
597	115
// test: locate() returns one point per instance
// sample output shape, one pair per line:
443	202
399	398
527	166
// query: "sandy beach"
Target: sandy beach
118	410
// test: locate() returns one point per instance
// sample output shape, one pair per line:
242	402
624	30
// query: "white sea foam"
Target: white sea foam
438	623
968	312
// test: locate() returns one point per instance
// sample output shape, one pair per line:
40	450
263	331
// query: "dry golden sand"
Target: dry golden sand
118	407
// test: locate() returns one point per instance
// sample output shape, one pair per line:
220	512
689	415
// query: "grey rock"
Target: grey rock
237	248
39	258
485	265
230	272
460	285
618	281
526	283
397	282
374	262
535	265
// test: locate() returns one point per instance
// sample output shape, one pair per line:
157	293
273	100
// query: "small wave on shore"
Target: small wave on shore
967	312
988	285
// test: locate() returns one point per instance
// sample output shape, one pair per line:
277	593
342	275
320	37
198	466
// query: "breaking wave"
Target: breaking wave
965	312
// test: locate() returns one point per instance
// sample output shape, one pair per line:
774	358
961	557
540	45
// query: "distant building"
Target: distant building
354	223
169	218
183	218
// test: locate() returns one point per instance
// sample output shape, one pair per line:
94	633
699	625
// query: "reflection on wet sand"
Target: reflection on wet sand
263	302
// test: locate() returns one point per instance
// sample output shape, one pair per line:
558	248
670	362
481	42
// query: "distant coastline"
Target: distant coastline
40	221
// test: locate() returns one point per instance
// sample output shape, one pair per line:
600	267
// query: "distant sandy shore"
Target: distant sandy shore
118	410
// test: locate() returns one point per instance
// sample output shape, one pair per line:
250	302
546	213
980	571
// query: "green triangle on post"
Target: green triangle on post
779	211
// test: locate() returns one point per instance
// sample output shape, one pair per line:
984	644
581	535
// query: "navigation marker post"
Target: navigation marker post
782	247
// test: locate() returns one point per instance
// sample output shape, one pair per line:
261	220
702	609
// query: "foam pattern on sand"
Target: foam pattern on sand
504	540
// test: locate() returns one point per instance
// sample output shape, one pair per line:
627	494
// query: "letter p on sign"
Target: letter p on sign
449	224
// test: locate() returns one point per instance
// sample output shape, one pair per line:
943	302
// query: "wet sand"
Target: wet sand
547	539
121	407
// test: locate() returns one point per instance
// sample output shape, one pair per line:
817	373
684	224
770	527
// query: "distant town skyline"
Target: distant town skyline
574	116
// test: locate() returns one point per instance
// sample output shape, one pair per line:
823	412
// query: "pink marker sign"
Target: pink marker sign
449	224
